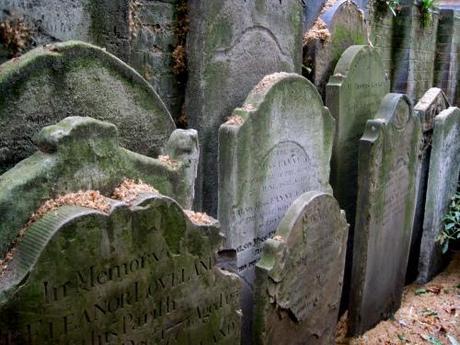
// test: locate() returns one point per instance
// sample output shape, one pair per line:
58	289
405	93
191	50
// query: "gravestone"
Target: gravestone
299	276
385	212
414	49
139	274
428	107
231	46
353	95
442	185
81	153
48	84
273	149
447	61
346	26
143	33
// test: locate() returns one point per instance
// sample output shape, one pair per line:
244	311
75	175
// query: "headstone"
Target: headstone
81	153
299	276
231	46
429	106
353	95
144	274
272	150
442	184
414	48
143	33
48	84
385	212
447	62
345	23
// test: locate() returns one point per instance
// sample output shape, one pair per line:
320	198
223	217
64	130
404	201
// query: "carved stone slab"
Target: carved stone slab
299	276
143	274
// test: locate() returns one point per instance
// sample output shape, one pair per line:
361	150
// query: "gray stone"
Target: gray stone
353	95
431	104
272	150
311	12
447	61
385	212
345	23
231	46
81	153
74	78
299	276
414	48
442	184
142	33
139	274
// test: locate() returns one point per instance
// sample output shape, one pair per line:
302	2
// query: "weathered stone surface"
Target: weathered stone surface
442	185
311	12
231	46
447	61
414	48
74	78
141	33
143	274
345	22
299	276
273	149
385	212
431	104
353	95
81	153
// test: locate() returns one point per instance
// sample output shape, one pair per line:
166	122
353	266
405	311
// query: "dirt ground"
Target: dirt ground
429	314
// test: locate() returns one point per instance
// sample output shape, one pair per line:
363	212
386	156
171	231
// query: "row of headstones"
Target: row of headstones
273	150
418	53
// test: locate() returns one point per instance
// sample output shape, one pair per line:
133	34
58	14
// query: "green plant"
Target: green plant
451	226
426	9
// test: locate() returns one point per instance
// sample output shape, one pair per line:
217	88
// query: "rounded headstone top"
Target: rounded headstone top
74	78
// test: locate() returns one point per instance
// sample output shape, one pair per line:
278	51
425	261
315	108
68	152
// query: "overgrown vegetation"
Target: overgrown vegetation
451	226
426	8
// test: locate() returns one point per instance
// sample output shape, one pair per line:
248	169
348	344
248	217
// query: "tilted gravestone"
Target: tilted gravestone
442	184
447	58
143	274
231	46
299	276
273	149
385	212
353	95
431	104
74	78
81	153
346	26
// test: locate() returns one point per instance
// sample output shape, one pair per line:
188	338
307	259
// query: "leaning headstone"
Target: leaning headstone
138	274
299	276
48	84
346	27
447	62
385	212
353	95
81	153
429	106
272	150
442	184
231	46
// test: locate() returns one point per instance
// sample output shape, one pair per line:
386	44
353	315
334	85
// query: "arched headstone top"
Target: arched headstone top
74	78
